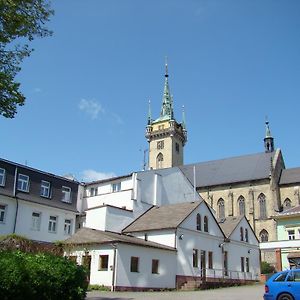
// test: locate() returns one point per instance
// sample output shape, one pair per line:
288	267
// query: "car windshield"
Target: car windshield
280	277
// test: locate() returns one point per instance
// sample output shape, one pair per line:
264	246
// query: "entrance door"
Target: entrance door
203	264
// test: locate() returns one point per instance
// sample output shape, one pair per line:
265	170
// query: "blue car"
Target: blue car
284	285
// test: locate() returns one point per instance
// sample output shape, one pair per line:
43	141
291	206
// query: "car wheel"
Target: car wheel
285	297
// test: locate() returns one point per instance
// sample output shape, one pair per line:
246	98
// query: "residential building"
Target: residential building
35	204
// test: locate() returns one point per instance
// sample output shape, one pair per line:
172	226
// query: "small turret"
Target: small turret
268	140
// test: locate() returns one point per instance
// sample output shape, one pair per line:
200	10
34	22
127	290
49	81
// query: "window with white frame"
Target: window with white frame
2	177
52	224
291	234
116	187
3	209
36	221
45	189
93	191
66	194
68	227
23	183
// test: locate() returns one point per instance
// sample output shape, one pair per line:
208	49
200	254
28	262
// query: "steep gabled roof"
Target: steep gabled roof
229	170
228	224
89	236
290	176
163	217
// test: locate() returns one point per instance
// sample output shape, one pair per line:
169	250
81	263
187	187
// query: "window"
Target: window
2	177
264	236
159	161
134	264
177	147
195	258
161	127
36	221
241	204
281	277
247	264
210	260
103	263
155	263
45	189
52	224
221	208
93	192
23	183
68	227
205	224
291	234
2	213
160	145
262	206
242	264
116	187
241	233
66	194
198	222
287	204
246	235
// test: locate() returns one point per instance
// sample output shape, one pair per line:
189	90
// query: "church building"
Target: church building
256	186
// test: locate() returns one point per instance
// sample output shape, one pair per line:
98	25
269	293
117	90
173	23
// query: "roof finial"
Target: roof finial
268	140
268	131
149	112
166	66
183	118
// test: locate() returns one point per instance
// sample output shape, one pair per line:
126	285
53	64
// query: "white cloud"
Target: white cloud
91	107
92	175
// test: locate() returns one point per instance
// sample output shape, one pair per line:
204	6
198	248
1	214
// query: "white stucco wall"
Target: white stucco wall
164	237
24	222
144	278
7	226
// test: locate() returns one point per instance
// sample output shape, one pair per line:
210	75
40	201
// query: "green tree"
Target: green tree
20	22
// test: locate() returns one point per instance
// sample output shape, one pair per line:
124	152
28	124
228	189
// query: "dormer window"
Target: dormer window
116	187
45	189
2	177
23	183
93	191
66	194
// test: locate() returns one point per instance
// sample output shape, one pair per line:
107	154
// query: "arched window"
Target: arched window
246	235
198	222
287	204
159	161
241	205
241	233
262	206
264	236
221	208
205	224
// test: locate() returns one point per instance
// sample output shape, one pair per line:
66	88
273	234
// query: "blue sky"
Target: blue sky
231	63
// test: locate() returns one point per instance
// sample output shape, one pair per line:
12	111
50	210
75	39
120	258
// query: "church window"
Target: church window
264	236
287	204
221	209
159	161
160	145
241	233
205	224
177	147
241	204
262	206
198	221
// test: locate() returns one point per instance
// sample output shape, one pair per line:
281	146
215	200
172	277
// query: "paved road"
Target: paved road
253	292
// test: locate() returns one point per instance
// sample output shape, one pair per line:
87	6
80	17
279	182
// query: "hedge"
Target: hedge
39	276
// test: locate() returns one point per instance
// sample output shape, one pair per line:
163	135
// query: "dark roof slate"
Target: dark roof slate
163	217
92	236
229	170
290	176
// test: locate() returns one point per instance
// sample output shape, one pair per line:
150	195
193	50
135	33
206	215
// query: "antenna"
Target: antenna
144	164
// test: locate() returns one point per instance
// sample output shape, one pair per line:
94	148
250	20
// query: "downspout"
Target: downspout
114	268
17	200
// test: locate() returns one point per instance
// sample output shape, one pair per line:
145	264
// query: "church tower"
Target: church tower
166	137
268	140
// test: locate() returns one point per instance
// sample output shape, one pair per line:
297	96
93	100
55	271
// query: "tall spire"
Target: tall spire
268	140
167	105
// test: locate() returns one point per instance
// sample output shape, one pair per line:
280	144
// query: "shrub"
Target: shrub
39	276
266	268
